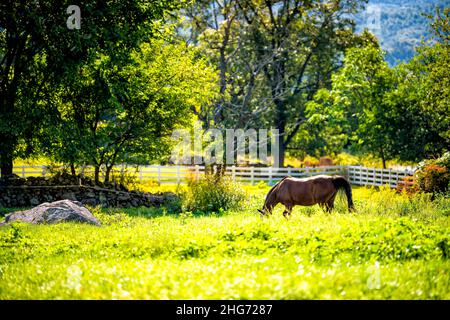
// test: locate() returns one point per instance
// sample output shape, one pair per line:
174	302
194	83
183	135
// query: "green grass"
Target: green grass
392	248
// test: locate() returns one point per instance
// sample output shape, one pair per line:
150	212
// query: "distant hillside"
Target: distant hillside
400	25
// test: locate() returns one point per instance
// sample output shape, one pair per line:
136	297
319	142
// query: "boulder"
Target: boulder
54	212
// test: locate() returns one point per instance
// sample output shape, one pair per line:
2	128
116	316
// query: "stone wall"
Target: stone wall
18	192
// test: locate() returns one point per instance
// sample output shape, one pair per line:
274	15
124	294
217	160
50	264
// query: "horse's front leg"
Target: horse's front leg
329	207
326	207
287	212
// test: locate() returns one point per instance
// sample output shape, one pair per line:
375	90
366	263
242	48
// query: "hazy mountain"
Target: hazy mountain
400	25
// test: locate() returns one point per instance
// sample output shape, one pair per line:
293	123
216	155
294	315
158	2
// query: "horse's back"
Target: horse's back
305	191
317	178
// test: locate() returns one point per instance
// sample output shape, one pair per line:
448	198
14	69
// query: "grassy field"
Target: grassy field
393	247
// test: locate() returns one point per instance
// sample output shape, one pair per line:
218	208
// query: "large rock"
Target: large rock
54	212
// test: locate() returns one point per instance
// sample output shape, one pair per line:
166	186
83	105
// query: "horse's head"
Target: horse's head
262	212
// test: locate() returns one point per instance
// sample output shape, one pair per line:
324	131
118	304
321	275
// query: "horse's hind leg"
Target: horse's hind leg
329	205
287	212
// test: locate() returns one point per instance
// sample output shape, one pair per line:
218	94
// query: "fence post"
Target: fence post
44	170
307	171
289	171
345	171
360	175
270	176
252	174
23	171
140	174
197	172
233	172
178	174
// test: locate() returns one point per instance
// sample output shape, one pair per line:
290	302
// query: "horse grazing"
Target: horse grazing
309	191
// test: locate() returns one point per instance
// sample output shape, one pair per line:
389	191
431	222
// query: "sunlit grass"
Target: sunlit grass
393	247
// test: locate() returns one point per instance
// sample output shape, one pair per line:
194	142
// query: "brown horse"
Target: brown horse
309	191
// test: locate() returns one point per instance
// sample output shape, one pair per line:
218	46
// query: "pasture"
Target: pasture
393	247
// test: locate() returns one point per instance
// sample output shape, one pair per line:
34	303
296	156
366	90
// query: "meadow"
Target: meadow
392	247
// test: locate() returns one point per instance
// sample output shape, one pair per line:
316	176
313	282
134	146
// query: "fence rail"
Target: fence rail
357	175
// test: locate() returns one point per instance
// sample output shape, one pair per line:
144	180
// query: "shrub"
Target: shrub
408	185
126	177
325	161
346	159
212	194
309	161
434	175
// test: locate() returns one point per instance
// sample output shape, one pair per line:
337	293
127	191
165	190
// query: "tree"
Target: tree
435	63
358	95
125	112
273	56
37	51
422	99
401	112
325	130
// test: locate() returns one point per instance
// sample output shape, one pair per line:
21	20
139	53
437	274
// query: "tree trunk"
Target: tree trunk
72	169
108	173
282	151
280	124
97	174
6	160
383	158
220	173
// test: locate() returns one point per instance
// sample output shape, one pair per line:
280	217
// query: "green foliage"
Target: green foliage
322	133
358	90
394	247
432	84
125	111
127	177
392	113
39	52
441	24
420	104
272	57
346	159
213	194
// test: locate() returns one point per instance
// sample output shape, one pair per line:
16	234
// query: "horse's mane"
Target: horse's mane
273	189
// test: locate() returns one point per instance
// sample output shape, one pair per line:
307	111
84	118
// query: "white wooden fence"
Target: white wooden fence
357	175
362	176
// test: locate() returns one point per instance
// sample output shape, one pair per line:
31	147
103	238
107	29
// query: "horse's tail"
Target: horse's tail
270	193
340	182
